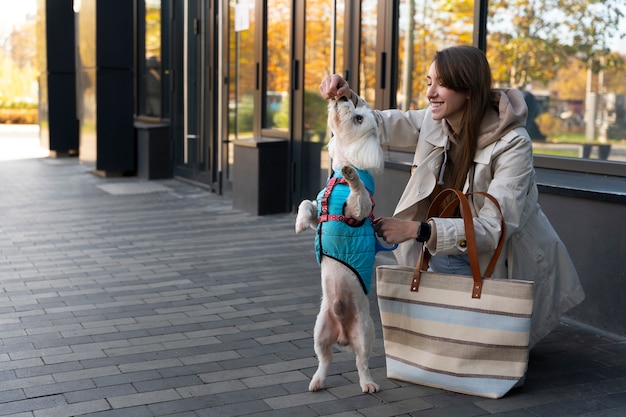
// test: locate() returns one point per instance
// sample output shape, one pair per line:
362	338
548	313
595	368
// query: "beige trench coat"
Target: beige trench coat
505	170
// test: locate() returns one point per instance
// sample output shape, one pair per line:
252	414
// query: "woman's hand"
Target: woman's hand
334	87
395	230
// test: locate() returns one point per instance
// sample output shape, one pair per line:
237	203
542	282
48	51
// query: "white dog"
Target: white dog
345	243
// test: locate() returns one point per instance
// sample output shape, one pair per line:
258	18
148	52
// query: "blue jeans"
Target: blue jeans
450	264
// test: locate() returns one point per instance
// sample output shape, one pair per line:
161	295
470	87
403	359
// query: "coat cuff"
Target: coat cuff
450	237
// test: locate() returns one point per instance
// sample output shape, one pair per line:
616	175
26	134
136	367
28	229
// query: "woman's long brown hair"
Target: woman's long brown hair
465	69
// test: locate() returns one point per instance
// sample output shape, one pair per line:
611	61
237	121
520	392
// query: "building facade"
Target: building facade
225	93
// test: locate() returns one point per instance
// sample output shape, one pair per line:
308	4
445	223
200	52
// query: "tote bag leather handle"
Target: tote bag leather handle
470	237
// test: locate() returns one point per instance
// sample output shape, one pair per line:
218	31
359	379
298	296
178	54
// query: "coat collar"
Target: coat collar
434	131
483	156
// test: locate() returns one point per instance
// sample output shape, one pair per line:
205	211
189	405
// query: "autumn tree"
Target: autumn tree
243	63
278	48
425	28
615	73
569	84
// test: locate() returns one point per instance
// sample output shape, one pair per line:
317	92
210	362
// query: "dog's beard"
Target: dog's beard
365	154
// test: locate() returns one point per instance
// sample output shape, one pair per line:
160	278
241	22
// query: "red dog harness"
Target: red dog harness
350	221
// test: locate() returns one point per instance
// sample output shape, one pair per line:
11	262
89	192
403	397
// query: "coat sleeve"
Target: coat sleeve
508	176
396	127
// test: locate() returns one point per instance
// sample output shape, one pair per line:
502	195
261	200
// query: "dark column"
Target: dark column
105	85
58	125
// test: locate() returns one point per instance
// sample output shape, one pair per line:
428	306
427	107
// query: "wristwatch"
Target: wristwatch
423	232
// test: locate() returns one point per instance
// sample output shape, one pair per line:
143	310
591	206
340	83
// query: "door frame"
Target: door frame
195	145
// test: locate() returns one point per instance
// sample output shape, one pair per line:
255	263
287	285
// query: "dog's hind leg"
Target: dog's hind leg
363	349
325	335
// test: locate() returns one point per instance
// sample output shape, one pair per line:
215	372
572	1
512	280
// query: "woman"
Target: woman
472	138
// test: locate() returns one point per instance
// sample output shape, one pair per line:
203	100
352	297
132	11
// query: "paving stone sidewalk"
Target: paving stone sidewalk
129	299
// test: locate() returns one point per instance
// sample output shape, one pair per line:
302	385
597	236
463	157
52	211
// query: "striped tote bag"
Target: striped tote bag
467	334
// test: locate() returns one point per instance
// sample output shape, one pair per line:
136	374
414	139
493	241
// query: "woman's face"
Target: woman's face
445	103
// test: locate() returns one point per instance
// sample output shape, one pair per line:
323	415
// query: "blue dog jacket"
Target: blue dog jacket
352	243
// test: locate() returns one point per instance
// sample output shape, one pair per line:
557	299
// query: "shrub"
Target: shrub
549	124
19	115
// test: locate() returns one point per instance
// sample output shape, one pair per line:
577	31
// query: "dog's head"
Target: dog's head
355	136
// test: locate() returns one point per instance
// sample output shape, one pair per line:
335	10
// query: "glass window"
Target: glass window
150	66
367	64
425	27
242	70
339	36
323	54
276	103
570	63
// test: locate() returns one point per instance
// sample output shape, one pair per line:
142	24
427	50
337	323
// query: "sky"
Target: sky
13	12
619	45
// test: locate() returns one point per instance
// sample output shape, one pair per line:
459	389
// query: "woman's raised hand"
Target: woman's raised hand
334	87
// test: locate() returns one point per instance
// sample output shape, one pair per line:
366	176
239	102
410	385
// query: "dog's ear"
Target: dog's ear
331	147
333	119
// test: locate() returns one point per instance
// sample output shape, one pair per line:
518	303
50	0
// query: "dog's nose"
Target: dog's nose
343	98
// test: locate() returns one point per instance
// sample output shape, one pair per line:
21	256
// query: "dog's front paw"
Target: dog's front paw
307	213
349	173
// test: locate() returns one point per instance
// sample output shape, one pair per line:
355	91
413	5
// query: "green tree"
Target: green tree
530	40
524	43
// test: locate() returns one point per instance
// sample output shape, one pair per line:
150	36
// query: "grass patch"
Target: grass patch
567	138
555	152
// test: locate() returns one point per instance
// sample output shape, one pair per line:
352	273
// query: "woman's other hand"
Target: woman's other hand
395	230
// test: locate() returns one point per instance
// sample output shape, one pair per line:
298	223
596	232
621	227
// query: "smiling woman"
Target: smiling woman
485	148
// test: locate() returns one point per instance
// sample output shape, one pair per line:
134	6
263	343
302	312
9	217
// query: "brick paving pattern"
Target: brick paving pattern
123	298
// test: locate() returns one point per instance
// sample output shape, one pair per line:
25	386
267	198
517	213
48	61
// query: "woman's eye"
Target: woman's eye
358	118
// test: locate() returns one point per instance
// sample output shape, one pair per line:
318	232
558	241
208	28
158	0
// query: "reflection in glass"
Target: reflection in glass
320	36
425	27
367	64
153	70
276	100
242	70
340	25
241	76
571	70
323	56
